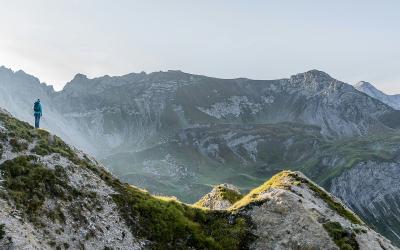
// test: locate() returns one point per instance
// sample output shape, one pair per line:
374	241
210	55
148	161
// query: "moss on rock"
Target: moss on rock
16	128
285	180
18	146
49	144
329	200
29	183
229	194
221	197
344	239
280	180
173	225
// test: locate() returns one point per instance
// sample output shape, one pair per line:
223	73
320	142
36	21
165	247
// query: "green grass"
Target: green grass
344	239
222	193
172	225
16	128
19	134
379	147
280	180
169	224
18	146
284	180
228	194
49	144
30	183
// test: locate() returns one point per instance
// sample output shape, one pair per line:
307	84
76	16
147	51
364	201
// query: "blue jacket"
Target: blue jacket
37	108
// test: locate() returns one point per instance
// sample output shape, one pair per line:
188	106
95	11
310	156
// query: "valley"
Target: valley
175	133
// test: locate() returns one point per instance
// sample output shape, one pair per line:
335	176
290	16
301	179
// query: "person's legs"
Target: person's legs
37	119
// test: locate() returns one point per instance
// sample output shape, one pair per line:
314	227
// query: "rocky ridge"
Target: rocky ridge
371	90
178	134
54	196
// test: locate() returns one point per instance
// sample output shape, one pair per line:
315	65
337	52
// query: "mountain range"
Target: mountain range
53	196
179	134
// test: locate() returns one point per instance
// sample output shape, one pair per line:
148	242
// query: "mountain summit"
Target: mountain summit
371	90
313	74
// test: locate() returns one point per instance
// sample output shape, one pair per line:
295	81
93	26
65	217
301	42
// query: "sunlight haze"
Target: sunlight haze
54	40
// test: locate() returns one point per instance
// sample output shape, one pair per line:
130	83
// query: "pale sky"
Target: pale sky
350	40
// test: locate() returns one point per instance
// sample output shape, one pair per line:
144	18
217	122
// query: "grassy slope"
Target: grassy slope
319	158
351	151
166	223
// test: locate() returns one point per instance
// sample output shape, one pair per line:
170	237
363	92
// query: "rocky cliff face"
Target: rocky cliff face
177	134
290	204
136	111
369	89
372	190
289	212
53	196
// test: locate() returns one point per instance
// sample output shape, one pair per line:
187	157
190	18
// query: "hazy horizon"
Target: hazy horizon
54	41
57	88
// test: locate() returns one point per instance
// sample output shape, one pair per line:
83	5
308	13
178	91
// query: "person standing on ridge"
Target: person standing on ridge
37	112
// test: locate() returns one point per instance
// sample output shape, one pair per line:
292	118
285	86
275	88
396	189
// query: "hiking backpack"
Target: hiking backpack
36	107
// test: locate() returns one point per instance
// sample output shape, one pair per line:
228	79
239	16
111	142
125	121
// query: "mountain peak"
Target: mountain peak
76	81
364	84
317	73
368	88
79	76
3	68
371	90
311	75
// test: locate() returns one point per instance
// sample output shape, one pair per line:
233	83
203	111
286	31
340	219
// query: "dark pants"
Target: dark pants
37	120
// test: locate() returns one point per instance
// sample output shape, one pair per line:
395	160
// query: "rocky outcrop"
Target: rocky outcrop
291	212
53	196
221	197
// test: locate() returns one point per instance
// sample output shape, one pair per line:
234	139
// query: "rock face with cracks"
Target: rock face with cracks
291	212
55	197
175	133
